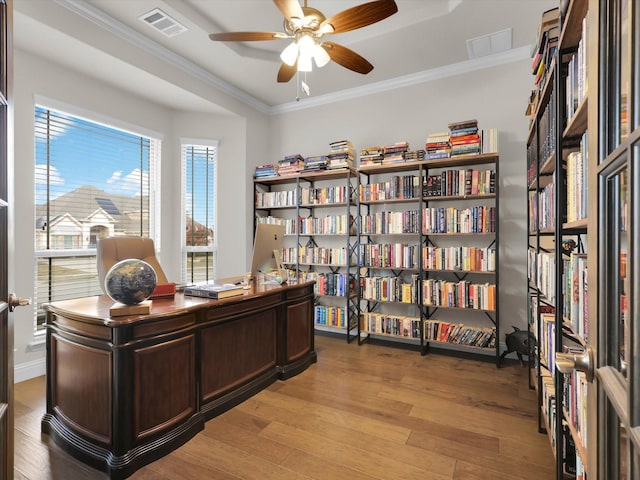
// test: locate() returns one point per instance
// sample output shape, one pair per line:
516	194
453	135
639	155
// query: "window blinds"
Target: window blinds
91	181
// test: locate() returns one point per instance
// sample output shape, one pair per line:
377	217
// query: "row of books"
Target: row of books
386	324
341	155
462	259
382	223
459	294
574	300
542	145
324	195
389	289
330	316
395	188
459	182
543	272
576	80
329	225
542	205
333	284
388	255
478	219
308	255
462	140
284	198
577	182
457	333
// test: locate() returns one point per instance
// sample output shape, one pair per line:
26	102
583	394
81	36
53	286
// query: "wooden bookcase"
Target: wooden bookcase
428	256
320	214
557	159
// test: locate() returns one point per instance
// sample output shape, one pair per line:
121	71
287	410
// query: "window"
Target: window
91	181
199	174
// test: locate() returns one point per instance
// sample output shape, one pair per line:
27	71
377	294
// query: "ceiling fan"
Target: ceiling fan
306	26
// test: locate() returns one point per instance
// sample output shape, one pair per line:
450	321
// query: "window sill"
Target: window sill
38	343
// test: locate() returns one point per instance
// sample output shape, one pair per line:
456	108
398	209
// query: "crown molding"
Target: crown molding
510	56
89	12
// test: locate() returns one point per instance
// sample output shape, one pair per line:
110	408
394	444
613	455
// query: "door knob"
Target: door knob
582	362
15	301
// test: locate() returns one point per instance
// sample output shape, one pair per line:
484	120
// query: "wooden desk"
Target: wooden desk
124	391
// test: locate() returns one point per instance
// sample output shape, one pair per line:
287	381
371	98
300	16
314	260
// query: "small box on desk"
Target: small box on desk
164	290
121	310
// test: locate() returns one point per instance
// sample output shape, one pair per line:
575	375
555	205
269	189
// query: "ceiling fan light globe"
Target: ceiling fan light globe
306	44
320	56
304	64
290	54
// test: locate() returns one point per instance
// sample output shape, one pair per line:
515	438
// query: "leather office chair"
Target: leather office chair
113	249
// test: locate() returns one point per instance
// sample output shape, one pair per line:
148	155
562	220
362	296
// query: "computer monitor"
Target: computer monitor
265	264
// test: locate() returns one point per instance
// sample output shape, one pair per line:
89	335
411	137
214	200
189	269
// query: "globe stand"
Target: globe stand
121	310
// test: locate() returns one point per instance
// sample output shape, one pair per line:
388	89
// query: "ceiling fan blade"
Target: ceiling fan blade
347	58
360	16
246	36
290	8
287	72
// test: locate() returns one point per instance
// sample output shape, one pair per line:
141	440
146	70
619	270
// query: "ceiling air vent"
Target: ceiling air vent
163	23
489	44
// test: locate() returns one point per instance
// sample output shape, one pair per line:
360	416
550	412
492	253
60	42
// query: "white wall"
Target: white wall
496	97
36	76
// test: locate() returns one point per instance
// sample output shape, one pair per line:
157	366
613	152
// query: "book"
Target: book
164	290
215	291
121	310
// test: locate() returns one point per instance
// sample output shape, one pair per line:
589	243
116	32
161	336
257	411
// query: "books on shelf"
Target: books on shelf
490	140
437	146
371	156
214	291
457	333
340	155
464	137
291	165
267	170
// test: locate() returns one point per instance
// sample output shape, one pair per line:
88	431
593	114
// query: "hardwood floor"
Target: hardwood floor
360	413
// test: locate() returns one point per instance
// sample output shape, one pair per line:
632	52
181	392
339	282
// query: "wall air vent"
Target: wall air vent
490	44
162	22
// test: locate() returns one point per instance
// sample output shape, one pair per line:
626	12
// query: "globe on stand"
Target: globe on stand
130	281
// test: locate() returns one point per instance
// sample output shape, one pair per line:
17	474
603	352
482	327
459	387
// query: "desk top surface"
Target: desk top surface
95	309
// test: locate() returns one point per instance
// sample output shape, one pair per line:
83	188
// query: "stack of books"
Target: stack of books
371	156
341	155
464	138
542	52
267	170
437	146
414	155
315	163
489	140
546	44
395	153
290	165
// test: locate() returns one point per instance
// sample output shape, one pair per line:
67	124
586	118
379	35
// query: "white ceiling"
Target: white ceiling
106	39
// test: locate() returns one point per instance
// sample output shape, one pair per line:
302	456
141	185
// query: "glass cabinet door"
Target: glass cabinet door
618	181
